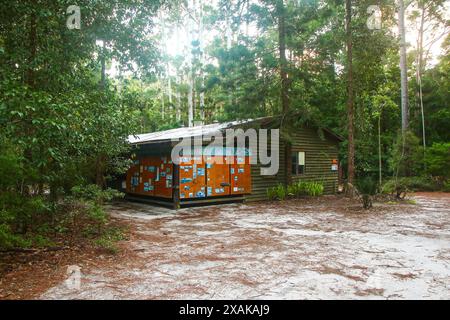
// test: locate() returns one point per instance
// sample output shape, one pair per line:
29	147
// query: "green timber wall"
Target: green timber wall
319	153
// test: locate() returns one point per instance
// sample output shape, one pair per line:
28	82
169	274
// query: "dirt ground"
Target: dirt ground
325	248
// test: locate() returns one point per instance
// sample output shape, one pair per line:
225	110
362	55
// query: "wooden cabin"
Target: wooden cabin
226	174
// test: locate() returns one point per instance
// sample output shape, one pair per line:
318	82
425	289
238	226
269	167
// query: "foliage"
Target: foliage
20	217
437	160
107	241
366	185
367	188
63	123
301	188
314	189
94	193
277	193
307	188
401	186
407	155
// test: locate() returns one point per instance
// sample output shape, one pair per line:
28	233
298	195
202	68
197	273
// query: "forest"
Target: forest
76	81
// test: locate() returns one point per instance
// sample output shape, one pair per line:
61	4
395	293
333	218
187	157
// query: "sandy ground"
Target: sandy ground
323	248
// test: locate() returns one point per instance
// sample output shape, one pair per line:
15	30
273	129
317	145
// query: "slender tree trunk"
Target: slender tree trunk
247	18
403	66
30	80
103	66
350	93
229	41
166	73
380	181
32	39
283	61
163	106
178	95
284	97
103	75
419	72
202	63
191	82
100	171
191	99
101	159
169	89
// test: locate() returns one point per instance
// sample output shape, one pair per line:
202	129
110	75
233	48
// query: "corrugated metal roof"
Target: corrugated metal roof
198	131
179	133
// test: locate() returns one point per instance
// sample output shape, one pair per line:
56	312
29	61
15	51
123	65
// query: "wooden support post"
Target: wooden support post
176	186
288	162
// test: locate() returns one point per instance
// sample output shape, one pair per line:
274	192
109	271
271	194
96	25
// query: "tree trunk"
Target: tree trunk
380	181
419	72
163	107
100	171
166	74
284	97
103	77
32	38
30	80
103	66
350	94
283	61
191	100
178	95
202	63
403	66
189	31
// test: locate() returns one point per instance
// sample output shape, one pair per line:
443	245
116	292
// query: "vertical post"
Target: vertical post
350	94
288	162
380	182
403	66
176	186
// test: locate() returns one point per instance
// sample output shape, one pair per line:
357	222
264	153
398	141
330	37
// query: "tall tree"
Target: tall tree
284	92
403	66
350	93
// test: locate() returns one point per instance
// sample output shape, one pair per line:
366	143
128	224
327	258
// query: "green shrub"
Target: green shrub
446	186
94	193
367	187
10	240
298	189
308	188
41	241
437	160
292	190
401	186
277	193
301	188
314	189
108	239
96	213
407	155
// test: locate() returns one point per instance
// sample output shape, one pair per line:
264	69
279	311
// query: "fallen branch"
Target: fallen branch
33	250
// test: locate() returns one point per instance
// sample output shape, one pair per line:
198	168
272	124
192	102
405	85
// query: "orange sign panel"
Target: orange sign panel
151	176
192	178
240	175
217	176
207	176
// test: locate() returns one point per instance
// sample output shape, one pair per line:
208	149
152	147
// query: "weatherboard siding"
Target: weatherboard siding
319	153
